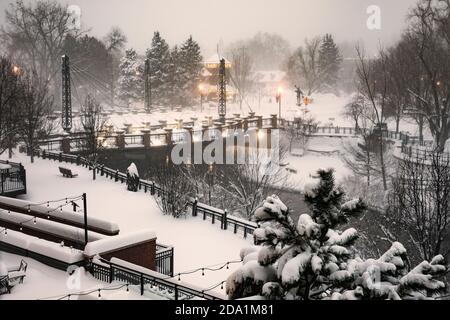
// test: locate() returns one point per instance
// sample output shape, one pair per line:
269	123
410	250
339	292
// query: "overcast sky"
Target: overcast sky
211	21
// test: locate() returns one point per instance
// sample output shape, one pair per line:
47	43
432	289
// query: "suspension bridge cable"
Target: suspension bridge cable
88	74
80	77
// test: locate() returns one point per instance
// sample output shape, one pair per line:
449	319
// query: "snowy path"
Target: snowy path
197	243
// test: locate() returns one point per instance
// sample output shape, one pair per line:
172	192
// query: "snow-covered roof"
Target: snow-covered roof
215	59
270	76
47	248
117	242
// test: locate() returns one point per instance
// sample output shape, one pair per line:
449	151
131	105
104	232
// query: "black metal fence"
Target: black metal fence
13	179
108	272
215	215
164	259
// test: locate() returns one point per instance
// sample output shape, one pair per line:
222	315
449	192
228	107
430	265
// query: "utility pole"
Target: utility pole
148	87
86	240
66	94
222	91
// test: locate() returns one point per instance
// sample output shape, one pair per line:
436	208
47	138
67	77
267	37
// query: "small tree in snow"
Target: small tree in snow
314	260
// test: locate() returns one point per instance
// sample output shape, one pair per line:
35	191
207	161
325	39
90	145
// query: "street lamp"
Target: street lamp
201	88
278	99
16	70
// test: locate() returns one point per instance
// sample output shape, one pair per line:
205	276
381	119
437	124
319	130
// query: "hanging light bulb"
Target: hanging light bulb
29	209
48	204
68	297
66	200
203	272
221	285
179	278
34	220
128	289
99	294
21	227
6	232
228	267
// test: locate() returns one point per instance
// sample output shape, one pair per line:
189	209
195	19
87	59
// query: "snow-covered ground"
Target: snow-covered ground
323	152
197	243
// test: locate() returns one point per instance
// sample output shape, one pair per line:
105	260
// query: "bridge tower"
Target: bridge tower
222	91
66	94
147	87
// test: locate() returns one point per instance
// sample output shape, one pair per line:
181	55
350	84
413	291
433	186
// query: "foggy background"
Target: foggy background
217	21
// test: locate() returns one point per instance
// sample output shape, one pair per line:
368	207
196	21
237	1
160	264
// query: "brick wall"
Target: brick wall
142	254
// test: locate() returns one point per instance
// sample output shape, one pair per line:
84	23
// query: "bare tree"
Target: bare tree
35	34
362	160
245	185
421	200
93	126
303	66
175	188
9	87
115	42
355	110
241	73
430	35
299	131
373	83
35	106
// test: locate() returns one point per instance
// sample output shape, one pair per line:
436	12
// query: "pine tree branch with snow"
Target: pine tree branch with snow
314	260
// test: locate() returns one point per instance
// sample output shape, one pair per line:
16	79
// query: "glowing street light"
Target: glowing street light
16	69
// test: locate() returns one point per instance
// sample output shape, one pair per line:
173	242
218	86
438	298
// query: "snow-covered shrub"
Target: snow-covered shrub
132	178
314	260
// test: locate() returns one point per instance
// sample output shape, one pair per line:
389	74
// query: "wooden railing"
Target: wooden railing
109	272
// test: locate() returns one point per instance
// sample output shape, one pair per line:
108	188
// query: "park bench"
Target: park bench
15	276
67	172
291	170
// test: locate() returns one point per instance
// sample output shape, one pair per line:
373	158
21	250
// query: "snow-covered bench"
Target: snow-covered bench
15	276
67	172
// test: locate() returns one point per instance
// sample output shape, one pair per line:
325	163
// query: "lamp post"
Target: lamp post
210	179
201	89
278	99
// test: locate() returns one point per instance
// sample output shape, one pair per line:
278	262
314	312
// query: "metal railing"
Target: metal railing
107	271
13	179
215	215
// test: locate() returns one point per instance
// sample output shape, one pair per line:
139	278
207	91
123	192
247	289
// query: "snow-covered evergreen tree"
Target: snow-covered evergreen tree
330	60
190	65
175	79
130	82
160	67
314	260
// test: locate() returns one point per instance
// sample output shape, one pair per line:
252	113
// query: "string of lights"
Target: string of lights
87	292
68	201
203	269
